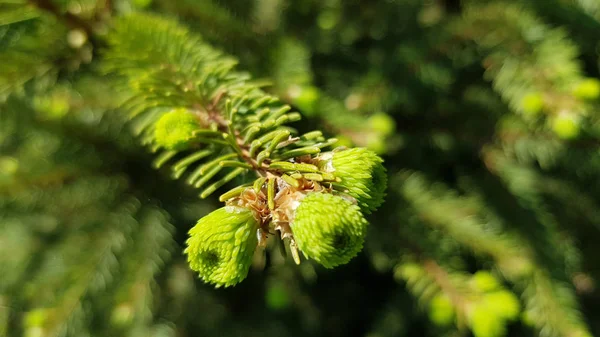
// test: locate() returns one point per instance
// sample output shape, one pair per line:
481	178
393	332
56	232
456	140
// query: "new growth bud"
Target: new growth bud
441	310
329	229
175	129
221	245
382	123
566	126
485	324
589	88
503	303
491	315
532	103
305	98
362	174
484	281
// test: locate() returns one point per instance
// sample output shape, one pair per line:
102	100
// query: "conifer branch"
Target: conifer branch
507	82
188	101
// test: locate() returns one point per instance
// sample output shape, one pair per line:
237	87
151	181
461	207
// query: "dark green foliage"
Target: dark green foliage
485	113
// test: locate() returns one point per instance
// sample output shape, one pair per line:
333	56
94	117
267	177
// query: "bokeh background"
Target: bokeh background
486	113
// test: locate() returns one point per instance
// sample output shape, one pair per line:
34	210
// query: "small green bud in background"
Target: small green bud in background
122	315
36	317
528	319
305	98
35	320
565	126
344	140
484	323
503	303
175	129
277	297
221	245
587	89
441	311
490	315
532	103
376	143
382	123
408	271
8	167
484	281
329	229
76	38
53	106
328	19
362	174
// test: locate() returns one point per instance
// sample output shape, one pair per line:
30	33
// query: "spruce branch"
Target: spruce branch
463	219
548	292
62	282
475	301
188	102
531	262
537	74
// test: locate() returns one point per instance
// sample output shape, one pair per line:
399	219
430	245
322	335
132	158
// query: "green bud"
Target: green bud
408	271
485	324
175	129
305	98
277	297
344	140
587	89
503	304
37	317
221	245
488	318
328	19
53	106
565	126
532	103
122	315
441	311
376	143
528	318
484	281
329	229
382	123
362	174
8	166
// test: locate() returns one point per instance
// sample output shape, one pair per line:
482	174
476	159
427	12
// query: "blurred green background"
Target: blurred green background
486	113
